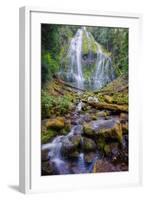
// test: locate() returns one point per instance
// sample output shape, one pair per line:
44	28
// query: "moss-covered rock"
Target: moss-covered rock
101	114
125	128
123	117
48	135
88	144
88	129
114	133
89	157
70	146
56	124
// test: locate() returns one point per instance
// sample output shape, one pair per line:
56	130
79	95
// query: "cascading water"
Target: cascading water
89	65
60	163
74	56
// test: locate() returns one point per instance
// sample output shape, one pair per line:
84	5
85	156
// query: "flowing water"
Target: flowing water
97	64
55	156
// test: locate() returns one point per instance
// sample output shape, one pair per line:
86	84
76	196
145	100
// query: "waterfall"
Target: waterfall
74	56
88	64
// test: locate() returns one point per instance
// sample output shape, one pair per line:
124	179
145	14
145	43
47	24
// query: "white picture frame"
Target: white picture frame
30	178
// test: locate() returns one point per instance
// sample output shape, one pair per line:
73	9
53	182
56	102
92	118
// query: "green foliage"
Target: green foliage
54	105
115	40
88	44
49	67
47	136
85	47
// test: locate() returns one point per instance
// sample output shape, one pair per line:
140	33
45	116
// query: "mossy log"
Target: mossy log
68	85
109	92
106	106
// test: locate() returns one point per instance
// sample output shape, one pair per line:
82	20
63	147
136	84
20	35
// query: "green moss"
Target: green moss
85	46
93	44
50	104
47	136
120	98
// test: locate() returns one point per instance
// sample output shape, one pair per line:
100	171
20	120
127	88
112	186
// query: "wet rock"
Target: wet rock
123	117
57	123
78	130
70	145
48	168
89	157
73	155
113	133
87	118
88	129
44	155
93	100
94	117
101	114
104	166
75	140
111	149
125	128
88	144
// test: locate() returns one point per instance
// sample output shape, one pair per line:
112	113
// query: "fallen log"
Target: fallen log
68	85
109	92
106	106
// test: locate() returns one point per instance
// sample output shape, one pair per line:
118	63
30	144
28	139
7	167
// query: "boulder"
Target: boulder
44	155
101	114
113	133
57	123
89	157
88	129
88	144
125	128
123	117
70	145
104	166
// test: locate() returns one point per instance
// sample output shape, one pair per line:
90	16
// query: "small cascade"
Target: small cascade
63	165
79	106
81	163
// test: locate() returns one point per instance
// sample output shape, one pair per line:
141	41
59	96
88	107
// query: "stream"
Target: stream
73	165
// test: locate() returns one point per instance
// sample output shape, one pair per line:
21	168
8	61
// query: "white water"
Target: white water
74	55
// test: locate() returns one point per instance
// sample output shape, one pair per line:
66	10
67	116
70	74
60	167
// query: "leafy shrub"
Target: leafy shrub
54	105
49	66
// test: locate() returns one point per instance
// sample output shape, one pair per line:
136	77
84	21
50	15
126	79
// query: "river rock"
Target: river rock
113	133
88	144
48	168
44	155
89	157
104	166
88	129
57	123
101	114
108	129
123	117
93	100
125	128
78	130
70	145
